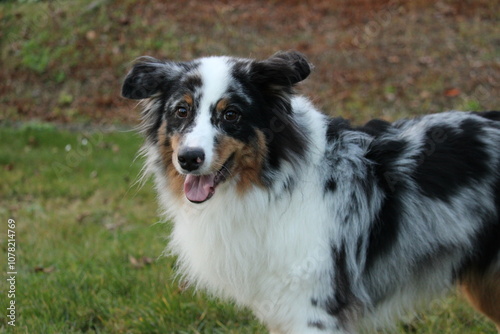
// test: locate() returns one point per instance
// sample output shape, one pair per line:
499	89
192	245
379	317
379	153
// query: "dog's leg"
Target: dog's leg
483	292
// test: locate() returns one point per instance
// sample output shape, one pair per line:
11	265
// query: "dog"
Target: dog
317	225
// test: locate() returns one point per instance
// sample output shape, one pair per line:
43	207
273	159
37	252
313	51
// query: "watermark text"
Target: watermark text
11	272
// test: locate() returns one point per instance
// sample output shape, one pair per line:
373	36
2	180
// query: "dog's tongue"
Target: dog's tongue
199	188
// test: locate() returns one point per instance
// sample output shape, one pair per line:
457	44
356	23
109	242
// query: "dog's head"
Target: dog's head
219	118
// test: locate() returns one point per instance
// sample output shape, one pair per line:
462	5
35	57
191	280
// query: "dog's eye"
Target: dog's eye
231	116
181	112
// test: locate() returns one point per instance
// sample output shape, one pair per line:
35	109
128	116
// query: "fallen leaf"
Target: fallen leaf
91	35
452	92
141	262
134	262
45	270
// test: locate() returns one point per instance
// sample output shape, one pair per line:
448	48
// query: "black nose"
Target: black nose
191	159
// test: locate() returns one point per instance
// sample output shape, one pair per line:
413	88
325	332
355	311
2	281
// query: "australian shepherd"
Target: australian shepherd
316	225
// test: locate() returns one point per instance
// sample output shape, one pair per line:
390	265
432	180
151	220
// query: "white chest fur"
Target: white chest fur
256	250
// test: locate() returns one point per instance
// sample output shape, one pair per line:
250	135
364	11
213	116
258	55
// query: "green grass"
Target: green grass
85	236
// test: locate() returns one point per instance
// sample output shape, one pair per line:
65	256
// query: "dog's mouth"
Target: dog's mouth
200	188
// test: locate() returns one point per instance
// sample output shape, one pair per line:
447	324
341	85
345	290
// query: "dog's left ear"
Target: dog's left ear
282	69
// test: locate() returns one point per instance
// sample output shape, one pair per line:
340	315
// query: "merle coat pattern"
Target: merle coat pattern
314	224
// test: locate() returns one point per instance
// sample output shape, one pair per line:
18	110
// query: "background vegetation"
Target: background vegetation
89	246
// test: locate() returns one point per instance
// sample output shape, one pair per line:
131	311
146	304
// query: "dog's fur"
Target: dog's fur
316	225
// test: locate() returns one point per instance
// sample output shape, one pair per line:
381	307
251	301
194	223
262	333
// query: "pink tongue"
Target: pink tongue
199	188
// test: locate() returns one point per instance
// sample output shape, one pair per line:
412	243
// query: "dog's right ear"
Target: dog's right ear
283	69
148	77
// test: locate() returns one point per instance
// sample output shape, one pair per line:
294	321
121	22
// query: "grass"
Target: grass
88	245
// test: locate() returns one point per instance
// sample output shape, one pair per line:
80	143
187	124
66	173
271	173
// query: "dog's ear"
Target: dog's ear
282	69
148	77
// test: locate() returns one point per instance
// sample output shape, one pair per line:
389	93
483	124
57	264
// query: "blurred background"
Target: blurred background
88	246
64	61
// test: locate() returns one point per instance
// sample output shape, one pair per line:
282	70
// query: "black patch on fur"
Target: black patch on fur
359	249
376	127
487	241
485	247
286	142
451	159
244	130
336	126
343	296
385	154
491	115
330	185
314	302
496	192
270	86
385	228
316	324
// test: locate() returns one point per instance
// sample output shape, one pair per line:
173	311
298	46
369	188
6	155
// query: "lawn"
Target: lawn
89	245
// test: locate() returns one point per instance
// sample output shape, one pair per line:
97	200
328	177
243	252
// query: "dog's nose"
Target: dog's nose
191	159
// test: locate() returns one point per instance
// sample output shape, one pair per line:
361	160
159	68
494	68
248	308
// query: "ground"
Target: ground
88	246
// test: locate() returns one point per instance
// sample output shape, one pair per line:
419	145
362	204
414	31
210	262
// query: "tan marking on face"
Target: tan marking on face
188	99
248	160
168	151
222	105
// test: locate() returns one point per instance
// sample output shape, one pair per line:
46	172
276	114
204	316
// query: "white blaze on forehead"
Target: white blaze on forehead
215	76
